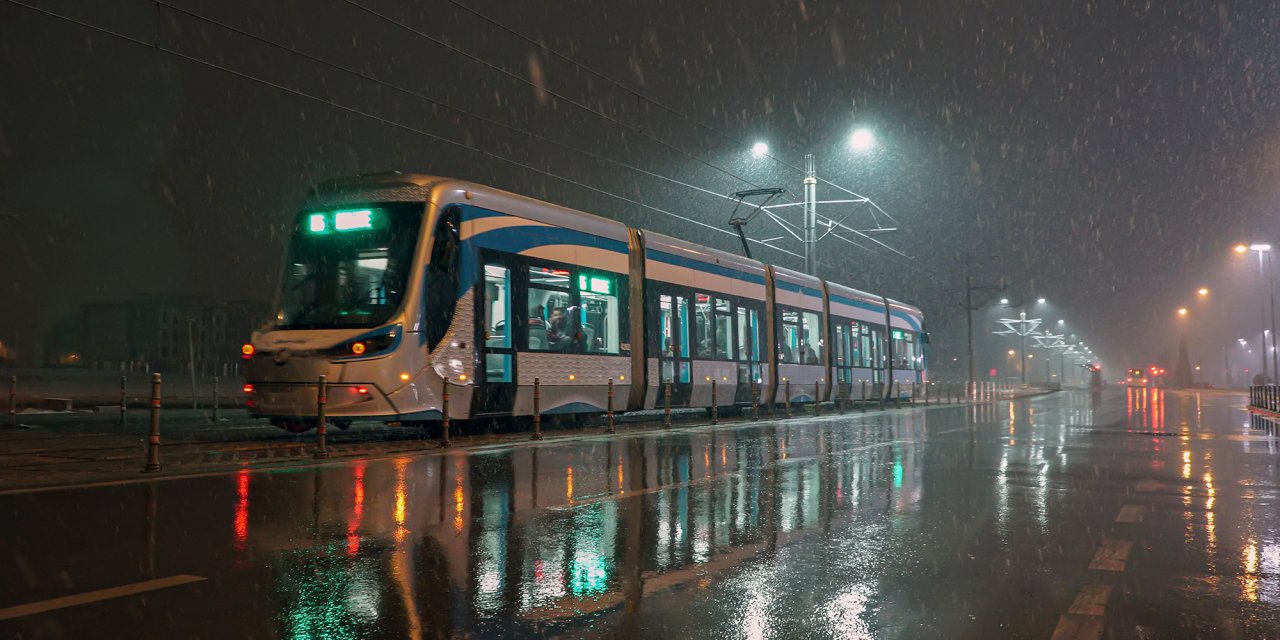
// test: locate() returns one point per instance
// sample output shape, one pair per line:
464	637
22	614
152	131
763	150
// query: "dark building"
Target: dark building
158	332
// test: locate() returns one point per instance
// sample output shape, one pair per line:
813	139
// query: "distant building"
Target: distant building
157	332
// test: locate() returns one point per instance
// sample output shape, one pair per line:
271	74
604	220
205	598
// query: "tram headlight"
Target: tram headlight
367	345
247	351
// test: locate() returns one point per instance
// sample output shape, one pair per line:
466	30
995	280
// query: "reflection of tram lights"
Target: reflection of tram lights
458	505
242	509
568	483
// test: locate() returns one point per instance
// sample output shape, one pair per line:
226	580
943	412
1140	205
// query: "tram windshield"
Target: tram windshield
348	268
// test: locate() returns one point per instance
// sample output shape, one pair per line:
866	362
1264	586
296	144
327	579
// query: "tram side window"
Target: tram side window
789	337
869	347
724	329
703	338
550	327
904	349
497	332
811	338
855	345
442	278
600	315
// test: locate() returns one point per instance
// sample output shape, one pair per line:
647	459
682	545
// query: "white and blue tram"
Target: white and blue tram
395	283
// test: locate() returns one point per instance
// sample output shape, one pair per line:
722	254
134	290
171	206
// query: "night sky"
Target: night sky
1105	155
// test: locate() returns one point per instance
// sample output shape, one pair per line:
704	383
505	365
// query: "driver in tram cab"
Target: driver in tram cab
558	338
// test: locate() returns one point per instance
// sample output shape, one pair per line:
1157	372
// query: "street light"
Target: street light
760	150
1264	254
1182	311
1204	291
1040	301
862	140
1004	301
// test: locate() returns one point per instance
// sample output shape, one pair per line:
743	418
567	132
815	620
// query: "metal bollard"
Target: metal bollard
715	413
124	399
863	402
322	398
215	399
13	401
755	400
817	393
666	404
153	440
611	427
444	414
787	393
537	409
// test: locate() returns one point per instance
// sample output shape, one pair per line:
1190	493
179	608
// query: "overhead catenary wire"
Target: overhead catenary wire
446	105
158	46
530	83
653	101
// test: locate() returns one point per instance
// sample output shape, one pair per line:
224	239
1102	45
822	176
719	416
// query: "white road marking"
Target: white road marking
88	597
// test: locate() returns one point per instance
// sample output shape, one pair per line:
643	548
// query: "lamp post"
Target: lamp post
1022	326
861	141
1264	254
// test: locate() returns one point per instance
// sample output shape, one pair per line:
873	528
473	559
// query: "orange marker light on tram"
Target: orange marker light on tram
357	348
246	351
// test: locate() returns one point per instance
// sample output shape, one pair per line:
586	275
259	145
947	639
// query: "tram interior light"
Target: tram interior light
316	223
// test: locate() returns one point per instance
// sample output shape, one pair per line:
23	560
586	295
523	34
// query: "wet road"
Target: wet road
1141	515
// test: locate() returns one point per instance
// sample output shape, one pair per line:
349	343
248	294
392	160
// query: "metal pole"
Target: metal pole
153	440
787	392
124	399
191	356
612	429
322	397
968	305
817	393
13	401
1271	277
1024	350
666	406
715	413
810	216
537	408
215	399
1263	307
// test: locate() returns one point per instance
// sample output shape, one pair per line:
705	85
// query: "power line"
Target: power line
421	96
653	101
493	67
386	121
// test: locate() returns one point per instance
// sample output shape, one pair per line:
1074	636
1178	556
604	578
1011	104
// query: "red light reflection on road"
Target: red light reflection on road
357	513
240	524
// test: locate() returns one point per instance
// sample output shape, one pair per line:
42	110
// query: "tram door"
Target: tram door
844	334
674	363
495	389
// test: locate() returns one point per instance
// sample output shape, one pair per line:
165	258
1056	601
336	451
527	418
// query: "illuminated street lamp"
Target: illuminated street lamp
1264	256
1204	291
1182	311
862	140
760	150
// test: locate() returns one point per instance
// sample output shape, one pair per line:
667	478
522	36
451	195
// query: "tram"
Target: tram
396	284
